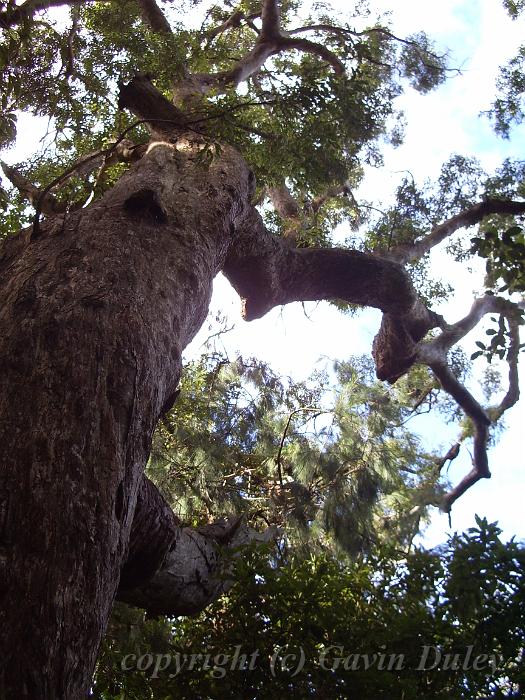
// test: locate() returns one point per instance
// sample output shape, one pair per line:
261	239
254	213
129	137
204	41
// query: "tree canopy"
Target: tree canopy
185	139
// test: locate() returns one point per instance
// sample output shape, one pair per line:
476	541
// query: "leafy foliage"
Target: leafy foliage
505	256
295	119
331	459
443	624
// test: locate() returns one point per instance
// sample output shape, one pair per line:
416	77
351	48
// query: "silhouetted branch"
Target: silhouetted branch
469	217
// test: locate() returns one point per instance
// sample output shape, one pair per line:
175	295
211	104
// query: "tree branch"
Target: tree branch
233	21
331	193
271	21
48	204
481	422
176	570
270	41
283	202
143	99
153	17
469	217
434	354
307	46
266	272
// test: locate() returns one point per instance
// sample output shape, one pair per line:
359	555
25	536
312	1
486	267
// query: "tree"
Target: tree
111	279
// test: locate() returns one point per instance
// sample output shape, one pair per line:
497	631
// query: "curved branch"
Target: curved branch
266	272
434	354
469	217
312	47
481	422
513	392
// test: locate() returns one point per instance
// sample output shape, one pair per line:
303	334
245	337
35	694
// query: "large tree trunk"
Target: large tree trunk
95	313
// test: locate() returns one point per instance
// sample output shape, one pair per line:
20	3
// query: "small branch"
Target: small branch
77	167
341	31
48	204
481	423
331	193
69	63
513	391
469	217
436	349
312	47
233	21
450	456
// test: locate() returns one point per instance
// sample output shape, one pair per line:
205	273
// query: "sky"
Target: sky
298	339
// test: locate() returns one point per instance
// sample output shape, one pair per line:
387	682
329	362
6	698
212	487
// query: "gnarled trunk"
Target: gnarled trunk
95	313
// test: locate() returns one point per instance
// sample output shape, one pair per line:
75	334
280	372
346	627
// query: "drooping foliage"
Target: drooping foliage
332	460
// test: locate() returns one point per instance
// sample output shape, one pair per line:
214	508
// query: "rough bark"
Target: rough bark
95	314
